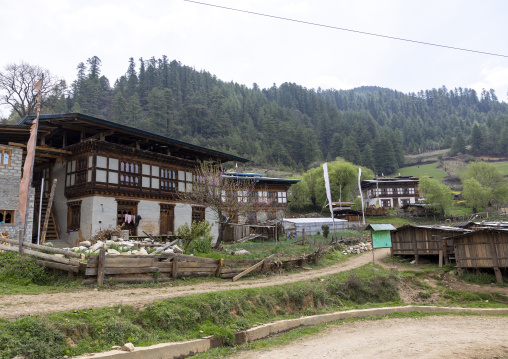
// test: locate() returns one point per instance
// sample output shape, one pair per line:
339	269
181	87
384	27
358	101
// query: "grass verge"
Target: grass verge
219	314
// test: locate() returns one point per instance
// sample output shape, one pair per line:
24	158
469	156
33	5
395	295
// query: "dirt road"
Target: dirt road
422	338
13	306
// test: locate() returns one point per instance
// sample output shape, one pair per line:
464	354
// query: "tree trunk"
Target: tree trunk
221	234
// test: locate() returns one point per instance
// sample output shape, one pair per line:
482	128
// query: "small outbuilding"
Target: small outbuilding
381	235
312	225
425	240
485	248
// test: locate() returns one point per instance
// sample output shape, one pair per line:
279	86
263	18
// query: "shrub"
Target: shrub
197	231
326	230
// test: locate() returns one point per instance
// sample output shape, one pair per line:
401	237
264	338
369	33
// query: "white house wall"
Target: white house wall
211	216
183	214
150	217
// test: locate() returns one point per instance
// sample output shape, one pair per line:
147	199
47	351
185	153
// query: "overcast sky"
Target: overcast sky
245	48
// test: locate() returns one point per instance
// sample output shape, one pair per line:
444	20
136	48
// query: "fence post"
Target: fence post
100	266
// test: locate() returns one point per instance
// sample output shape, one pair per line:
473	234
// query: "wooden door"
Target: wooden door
167	219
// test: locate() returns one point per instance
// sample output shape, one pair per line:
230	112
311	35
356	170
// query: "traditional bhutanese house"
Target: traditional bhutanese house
391	192
107	175
270	195
485	248
425	240
380	235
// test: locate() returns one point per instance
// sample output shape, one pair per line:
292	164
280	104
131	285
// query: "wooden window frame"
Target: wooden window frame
198	213
80	172
168	180
133	174
74	216
3	151
4	213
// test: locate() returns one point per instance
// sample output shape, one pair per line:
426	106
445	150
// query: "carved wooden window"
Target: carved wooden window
5	157
168	181
77	172
81	170
411	190
7	216
73	215
198	214
130	174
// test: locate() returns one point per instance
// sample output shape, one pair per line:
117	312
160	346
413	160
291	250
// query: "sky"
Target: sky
246	48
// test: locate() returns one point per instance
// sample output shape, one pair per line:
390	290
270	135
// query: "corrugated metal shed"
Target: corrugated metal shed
312	225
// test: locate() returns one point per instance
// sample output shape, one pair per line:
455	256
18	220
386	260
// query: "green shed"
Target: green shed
381	235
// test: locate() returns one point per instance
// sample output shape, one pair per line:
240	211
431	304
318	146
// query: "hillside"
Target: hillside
289	126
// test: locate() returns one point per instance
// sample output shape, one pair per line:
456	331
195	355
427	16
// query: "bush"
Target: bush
199	231
326	230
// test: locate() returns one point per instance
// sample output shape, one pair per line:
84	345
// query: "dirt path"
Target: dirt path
12	306
423	338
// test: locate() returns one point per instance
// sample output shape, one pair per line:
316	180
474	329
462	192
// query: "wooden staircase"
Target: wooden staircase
53	227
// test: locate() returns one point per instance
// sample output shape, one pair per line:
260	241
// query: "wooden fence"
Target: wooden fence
169	266
56	258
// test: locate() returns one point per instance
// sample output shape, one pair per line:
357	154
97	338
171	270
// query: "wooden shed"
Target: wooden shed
486	248
425	240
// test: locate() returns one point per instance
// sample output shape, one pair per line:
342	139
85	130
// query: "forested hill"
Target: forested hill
289	125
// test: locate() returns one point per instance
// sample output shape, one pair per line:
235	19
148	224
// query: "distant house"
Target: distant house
391	192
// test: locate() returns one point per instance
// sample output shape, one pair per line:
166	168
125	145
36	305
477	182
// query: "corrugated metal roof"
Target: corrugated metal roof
436	227
381	227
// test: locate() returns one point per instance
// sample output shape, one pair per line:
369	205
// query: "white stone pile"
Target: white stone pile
359	248
123	247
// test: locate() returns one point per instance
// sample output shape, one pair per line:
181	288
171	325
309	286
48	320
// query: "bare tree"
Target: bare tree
17	87
228	196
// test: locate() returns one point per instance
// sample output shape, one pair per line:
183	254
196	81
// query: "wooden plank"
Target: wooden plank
48	211
101	267
110	271
64	267
232	270
251	269
185	265
44	248
121	261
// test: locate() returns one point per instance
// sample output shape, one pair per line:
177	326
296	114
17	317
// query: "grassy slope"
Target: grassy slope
427	170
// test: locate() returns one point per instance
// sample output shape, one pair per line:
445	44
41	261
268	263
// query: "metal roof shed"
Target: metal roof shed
381	235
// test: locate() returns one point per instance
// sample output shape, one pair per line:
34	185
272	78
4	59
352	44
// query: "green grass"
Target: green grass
284	248
21	275
423	171
501	167
395	221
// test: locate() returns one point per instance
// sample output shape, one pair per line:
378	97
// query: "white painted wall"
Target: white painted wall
183	214
150	217
211	216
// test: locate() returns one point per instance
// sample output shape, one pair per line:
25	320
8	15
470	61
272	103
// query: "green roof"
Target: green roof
381	227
